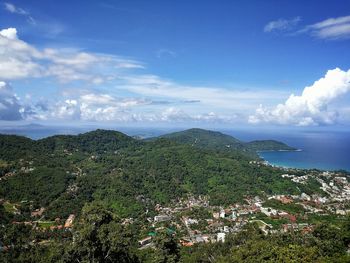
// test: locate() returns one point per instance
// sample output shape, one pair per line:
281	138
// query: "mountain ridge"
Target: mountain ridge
215	140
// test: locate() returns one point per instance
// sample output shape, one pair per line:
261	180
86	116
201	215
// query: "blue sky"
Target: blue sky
245	63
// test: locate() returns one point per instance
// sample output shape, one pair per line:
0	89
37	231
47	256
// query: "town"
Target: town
197	221
194	220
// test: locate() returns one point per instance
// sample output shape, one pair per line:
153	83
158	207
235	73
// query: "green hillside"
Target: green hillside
218	141
269	145
114	168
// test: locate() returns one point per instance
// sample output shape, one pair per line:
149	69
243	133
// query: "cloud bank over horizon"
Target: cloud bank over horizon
109	88
151	99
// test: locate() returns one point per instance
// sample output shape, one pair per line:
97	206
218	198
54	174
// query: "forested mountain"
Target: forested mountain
116	169
218	141
269	145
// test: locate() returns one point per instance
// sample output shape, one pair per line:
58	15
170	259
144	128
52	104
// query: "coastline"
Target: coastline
296	150
296	166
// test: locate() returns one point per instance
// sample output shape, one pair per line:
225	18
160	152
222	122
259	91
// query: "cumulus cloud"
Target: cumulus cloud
282	24
100	80
16	57
331	28
19	59
95	107
10	108
312	106
173	114
10	33
104	107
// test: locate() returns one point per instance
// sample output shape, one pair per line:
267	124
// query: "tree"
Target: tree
99	237
168	250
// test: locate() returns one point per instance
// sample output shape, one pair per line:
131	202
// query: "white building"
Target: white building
161	218
234	215
222	213
221	237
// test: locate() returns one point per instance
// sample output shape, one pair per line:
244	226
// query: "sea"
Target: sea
324	150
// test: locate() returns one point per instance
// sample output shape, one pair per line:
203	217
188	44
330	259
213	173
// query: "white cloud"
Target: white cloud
95	107
21	60
151	85
331	28
9	103
19	11
282	24
78	69
104	107
129	64
10	33
13	9
174	114
67	110
17	58
312	106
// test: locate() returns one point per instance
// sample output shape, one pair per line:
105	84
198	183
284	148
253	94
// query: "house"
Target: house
286	200
216	215
234	215
145	241
56	227
221	237
69	221
37	212
161	218
199	239
190	221
186	243
222	213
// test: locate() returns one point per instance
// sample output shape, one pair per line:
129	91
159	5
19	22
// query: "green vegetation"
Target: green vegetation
99	236
276	223
105	178
291	208
9	208
46	224
269	145
123	173
218	141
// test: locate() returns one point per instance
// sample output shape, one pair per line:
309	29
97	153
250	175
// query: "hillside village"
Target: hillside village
286	212
194	220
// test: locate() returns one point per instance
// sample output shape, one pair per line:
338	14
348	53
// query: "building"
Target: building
222	213
216	215
286	200
145	241
234	215
221	237
69	221
186	243
38	212
161	218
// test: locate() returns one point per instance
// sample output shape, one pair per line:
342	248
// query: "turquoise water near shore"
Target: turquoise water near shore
320	150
